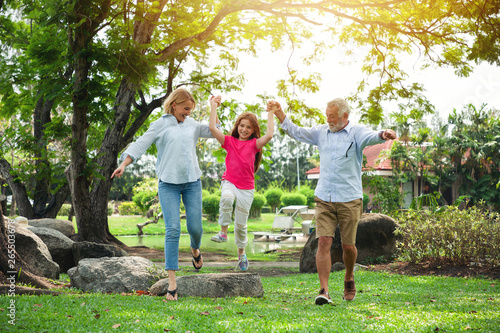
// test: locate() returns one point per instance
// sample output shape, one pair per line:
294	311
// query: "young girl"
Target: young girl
244	154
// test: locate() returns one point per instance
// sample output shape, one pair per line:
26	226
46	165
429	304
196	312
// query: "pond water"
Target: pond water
158	241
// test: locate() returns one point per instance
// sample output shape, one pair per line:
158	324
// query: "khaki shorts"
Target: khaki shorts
345	214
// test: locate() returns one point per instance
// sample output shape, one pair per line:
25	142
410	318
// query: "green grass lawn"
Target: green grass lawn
127	225
385	303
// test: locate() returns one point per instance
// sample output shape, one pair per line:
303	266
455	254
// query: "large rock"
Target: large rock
35	253
60	246
115	275
214	285
82	250
375	238
63	226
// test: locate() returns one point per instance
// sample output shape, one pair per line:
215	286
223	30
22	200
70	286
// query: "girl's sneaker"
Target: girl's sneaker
243	262
219	238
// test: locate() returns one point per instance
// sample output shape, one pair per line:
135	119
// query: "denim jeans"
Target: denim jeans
170	200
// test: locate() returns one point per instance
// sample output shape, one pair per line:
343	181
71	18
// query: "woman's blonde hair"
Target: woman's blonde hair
178	96
256	134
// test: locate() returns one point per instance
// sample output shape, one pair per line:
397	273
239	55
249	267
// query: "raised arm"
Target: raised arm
277	110
217	133
263	140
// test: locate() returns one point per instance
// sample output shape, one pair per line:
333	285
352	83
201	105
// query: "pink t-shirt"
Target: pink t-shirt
240	162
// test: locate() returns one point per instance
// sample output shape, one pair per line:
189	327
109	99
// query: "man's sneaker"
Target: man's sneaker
322	298
219	238
349	290
243	262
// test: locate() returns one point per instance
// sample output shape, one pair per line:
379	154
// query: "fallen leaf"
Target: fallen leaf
378	318
205	313
138	320
97	316
369	317
172	317
490	299
39	305
286	309
239	313
433	301
82	304
218	308
69	316
106	310
116	325
245	302
473	311
166	330
473	300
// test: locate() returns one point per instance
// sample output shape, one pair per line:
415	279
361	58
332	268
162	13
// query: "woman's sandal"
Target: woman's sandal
173	293
196	260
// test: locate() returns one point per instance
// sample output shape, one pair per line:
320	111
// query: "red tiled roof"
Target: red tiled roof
374	159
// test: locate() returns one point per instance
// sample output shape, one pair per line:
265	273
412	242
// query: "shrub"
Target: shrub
146	194
128	208
309	193
293	199
211	206
450	235
111	208
273	197
366	200
258	202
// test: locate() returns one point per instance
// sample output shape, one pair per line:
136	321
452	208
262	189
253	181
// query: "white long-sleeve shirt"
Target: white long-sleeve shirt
341	157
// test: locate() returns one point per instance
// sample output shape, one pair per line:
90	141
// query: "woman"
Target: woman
175	136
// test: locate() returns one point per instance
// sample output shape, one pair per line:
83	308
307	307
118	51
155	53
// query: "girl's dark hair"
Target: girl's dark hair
256	134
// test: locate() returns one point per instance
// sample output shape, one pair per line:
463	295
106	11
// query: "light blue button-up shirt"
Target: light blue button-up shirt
341	157
176	144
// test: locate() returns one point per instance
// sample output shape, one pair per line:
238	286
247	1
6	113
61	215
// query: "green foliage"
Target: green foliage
129	208
273	197
211	206
451	235
387	197
64	211
308	192
366	200
146	194
258	202
288	199
425	200
475	153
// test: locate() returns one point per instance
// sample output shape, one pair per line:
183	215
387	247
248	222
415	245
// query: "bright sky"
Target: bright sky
340	75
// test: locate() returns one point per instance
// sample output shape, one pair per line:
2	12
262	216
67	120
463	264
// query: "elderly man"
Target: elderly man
339	191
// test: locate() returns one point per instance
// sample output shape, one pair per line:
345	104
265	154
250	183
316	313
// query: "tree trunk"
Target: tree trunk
13	269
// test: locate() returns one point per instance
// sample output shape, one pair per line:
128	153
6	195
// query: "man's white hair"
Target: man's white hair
341	105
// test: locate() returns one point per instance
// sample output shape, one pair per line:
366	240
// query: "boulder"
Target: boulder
375	238
214	285
82	250
60	246
35	253
115	275
63	226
